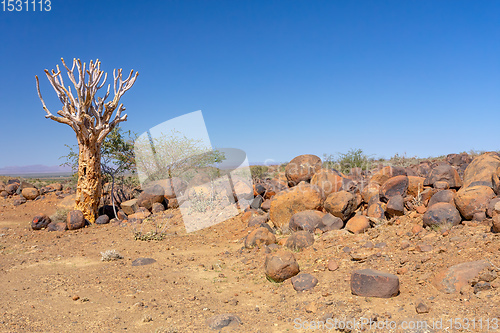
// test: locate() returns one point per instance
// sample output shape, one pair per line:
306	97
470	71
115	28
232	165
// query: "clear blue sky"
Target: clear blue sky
274	78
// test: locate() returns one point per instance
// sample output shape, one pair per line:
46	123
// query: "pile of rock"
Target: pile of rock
309	199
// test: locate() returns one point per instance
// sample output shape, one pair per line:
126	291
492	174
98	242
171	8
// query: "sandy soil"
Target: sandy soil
56	281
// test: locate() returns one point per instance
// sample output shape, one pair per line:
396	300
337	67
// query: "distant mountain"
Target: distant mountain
29	169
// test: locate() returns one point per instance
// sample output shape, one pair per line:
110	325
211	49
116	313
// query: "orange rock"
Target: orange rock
369	191
483	170
286	203
385	173
415	185
358	224
327	181
473	199
341	204
302	168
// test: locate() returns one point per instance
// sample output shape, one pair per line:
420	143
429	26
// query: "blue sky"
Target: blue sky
273	78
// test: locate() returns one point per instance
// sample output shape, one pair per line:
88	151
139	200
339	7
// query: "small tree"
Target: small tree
90	117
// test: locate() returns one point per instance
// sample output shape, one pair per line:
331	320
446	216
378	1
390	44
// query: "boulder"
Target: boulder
415	185
75	220
452	279
302	168
103	219
307	220
443	172
257	220
387	172
157	207
129	207
341	204
40	221
258	237
358	224
55	187
470	200
173	187
376	210
11	188
257	202
330	222
491	210
370	191
304	281
149	196
141	214
327	182
299	240
259	189
397	185
280	266
286	203
30	193
371	283
442	214
395	206
57	226
442	196
68	203
483	170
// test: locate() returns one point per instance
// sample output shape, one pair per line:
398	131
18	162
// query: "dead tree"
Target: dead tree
91	118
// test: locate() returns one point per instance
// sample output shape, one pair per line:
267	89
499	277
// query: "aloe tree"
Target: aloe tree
91	118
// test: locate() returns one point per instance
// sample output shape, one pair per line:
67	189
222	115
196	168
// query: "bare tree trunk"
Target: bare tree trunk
89	188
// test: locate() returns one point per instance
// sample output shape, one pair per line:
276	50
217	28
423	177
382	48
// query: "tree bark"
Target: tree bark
89	188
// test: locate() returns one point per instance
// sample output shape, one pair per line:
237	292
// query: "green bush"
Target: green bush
354	158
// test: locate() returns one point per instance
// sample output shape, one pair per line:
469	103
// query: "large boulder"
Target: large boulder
151	195
40	221
442	196
30	193
281	266
387	172
452	279
415	185
341	204
358	224
327	182
11	188
302	168
397	185
483	170
442	214
258	237
75	220
129	207
371	283
474	199
444	172
369	191
307	220
297	199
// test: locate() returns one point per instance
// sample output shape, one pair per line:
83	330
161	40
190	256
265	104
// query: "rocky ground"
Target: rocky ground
366	248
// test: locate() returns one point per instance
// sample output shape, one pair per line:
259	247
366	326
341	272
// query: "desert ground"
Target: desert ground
215	280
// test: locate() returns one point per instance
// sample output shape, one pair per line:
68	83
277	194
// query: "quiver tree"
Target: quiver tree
92	120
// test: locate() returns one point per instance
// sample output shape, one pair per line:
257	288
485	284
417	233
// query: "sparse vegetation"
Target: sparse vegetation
110	255
344	162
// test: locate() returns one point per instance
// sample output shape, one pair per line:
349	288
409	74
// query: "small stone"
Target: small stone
423	247
220	321
259	237
332	265
311	307
481	286
143	261
157	207
75	298
57	226
422	307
